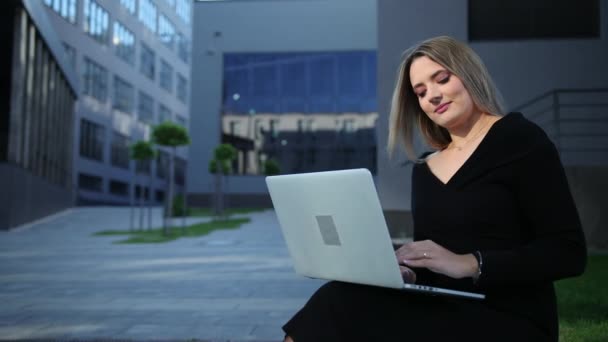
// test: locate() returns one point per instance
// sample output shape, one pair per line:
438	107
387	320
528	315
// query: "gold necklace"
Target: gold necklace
466	142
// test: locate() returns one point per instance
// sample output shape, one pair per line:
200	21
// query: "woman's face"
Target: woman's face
441	95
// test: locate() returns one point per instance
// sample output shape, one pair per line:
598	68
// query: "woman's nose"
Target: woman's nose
434	95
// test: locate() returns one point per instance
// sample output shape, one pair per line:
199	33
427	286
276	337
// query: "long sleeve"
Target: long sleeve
555	245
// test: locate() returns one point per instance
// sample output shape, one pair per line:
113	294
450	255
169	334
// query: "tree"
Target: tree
271	167
170	135
142	151
221	165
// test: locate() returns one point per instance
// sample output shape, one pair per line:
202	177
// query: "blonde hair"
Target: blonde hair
406	114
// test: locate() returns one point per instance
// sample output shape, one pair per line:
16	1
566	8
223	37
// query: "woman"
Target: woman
492	214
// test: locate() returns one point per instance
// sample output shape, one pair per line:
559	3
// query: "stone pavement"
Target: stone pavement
57	281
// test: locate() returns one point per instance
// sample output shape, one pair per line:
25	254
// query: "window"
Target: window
166	31
533	19
90	182
160	196
138	191
129	5
181	121
143	166
95	80
96	21
119	188
147	61
171	3
145	108
120	150
124	41
71	53
92	137
164	114
123	95
147	14
183	48
182	7
166	76
182	88
65	8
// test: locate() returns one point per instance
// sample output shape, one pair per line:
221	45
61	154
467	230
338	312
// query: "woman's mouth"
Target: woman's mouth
442	108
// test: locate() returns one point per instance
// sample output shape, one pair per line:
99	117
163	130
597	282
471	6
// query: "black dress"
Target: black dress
511	201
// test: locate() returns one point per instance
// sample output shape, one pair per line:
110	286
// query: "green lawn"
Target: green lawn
157	236
583	303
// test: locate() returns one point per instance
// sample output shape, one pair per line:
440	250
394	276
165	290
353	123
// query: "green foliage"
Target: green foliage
157	235
271	167
179	206
170	134
226	166
224	154
142	150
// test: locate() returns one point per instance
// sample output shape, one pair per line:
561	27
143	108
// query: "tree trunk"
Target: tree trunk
171	176
131	203
150	202
185	204
219	205
141	206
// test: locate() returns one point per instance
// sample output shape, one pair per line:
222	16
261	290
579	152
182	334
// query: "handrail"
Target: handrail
567	130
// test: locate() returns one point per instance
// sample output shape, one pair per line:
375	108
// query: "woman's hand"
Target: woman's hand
428	254
408	275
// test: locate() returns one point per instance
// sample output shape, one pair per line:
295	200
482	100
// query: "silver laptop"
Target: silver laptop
334	228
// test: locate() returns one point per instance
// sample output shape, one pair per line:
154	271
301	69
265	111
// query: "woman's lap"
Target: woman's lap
350	312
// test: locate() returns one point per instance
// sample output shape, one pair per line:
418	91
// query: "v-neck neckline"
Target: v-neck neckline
467	161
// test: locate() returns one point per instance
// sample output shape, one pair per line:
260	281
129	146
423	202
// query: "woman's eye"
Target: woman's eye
421	95
444	80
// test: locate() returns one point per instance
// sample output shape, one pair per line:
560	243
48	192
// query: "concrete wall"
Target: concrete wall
521	69
260	26
25	197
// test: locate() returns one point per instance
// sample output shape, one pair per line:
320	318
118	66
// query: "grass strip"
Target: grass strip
157	236
583	303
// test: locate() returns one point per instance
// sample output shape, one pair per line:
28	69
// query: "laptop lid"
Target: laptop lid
334	227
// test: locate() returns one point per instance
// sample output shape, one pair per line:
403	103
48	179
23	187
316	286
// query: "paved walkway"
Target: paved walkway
59	281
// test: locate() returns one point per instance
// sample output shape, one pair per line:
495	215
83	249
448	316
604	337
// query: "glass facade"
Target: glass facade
166	31
40	122
307	112
124	95
65	8
182	88
147	61
166	76
124	43
183	48
147	14
129	5
183	8
145	109
92	138
164	114
96	21
95	80
120	150
118	105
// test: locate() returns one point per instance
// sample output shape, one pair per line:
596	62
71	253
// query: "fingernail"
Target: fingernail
405	261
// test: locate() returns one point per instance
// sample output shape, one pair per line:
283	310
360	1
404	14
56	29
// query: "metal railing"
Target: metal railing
576	120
